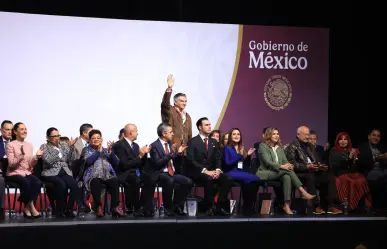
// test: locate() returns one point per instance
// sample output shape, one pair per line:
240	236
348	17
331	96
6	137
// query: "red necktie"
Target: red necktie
170	169
206	144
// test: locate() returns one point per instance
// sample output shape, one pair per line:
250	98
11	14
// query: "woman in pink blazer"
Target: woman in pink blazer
21	162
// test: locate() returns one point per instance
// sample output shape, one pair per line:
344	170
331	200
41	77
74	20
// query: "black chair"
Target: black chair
12	184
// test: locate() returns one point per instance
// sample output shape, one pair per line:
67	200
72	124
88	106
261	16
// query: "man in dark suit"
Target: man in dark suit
166	169
204	165
5	138
373	165
132	159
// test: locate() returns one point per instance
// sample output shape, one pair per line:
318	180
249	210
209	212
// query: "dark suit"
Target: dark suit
3	164
130	162
375	170
156	171
297	154
199	159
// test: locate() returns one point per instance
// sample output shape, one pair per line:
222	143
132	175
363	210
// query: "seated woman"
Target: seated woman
224	140
275	166
56	170
350	184
21	162
99	170
234	160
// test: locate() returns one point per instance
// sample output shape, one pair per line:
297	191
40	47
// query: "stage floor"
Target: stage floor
277	232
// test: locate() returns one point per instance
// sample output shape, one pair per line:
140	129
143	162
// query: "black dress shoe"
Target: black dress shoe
179	211
168	213
70	214
130	210
149	214
138	213
209	212
222	212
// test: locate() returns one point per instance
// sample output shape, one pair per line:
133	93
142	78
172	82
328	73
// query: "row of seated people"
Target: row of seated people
125	162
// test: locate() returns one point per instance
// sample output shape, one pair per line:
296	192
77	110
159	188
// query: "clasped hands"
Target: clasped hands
287	166
317	167
213	173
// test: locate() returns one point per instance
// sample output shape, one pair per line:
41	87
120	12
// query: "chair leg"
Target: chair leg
41	201
158	198
9	203
14	200
123	198
45	200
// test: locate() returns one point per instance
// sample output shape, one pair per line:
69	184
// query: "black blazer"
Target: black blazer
297	156
159	160
129	159
366	159
198	158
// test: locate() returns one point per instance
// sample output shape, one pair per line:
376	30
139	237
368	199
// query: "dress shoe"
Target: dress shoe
2	214
149	214
221	212
168	213
333	210
179	211
318	210
117	212
130	210
99	212
209	212
70	214
138	213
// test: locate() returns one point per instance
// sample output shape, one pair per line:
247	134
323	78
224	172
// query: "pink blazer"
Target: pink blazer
18	164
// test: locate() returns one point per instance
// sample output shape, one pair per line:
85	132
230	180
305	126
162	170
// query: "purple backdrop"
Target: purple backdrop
297	96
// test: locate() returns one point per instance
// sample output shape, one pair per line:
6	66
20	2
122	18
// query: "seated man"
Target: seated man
5	138
307	167
166	169
132	160
204	165
373	165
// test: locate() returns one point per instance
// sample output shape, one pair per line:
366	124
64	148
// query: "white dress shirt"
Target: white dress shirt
208	140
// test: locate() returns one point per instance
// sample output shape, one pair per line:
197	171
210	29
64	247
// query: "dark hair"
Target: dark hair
122	131
265	129
162	128
93	132
372	130
312	132
215	131
200	122
84	128
49	130
229	142
14	129
5	122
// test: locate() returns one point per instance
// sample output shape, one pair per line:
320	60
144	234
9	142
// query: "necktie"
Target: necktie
5	144
170	169
206	143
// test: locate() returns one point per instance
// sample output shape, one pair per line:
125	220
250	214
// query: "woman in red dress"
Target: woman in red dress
342	162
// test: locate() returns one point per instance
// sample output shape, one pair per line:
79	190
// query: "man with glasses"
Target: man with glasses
5	138
301	154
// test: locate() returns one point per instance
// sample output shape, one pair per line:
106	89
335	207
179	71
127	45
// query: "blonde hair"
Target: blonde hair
267	137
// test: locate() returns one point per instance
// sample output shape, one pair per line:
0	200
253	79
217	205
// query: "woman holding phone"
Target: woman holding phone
275	166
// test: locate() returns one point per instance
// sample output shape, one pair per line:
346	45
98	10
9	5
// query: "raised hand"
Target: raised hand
251	151
170	81
73	141
241	150
145	149
110	146
182	148
40	152
174	148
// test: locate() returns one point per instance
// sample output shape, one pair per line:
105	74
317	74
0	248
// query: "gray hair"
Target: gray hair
177	95
162	128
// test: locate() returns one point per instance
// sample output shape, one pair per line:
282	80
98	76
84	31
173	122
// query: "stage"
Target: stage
202	232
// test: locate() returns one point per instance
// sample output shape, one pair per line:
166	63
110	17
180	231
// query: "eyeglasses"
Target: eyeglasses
55	136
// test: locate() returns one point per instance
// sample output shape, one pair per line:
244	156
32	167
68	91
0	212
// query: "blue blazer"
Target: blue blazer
160	159
2	150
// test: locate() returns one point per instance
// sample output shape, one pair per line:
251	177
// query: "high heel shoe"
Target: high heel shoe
312	197
99	212
117	212
36	216
27	216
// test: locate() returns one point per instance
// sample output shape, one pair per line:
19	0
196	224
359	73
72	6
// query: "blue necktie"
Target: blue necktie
137	170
